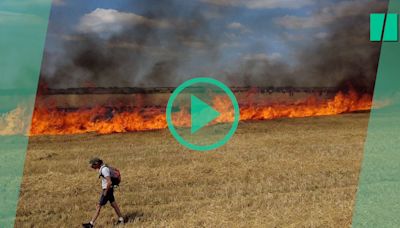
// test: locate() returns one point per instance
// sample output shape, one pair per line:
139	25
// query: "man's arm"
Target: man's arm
108	178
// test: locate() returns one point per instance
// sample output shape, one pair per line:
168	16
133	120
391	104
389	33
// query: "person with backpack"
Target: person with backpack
110	177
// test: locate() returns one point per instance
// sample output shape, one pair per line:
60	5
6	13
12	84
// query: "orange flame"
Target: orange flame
105	121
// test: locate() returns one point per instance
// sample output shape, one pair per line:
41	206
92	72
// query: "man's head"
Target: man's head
96	163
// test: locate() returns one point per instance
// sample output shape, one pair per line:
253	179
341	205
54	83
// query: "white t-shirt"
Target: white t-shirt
105	172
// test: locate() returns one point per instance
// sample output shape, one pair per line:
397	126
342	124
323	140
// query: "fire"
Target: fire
11	124
107	120
341	103
100	120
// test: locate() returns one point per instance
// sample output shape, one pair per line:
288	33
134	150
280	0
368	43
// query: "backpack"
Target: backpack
115	175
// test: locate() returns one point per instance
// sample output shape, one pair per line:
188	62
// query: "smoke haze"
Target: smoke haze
170	41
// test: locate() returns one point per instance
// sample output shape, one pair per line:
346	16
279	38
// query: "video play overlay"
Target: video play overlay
207	102
203	113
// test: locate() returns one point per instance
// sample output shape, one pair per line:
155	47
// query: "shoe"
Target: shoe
120	222
87	225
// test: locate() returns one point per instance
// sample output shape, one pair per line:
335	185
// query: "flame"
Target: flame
341	103
11	124
105	120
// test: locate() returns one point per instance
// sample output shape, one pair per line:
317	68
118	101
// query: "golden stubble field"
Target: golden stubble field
280	173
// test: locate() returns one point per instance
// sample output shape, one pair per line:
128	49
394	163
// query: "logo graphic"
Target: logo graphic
381	29
202	114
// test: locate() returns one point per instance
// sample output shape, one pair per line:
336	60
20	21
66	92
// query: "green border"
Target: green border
23	26
231	96
378	196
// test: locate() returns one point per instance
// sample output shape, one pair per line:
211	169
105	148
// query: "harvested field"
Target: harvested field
299	172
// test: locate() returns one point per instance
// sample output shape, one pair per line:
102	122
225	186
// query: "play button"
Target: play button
202	114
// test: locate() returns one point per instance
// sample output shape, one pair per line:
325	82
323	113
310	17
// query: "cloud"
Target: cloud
327	15
212	14
238	26
295	22
229	45
235	25
262	4
321	35
107	22
293	37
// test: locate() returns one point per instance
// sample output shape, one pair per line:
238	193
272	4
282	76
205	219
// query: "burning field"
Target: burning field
103	118
277	170
303	75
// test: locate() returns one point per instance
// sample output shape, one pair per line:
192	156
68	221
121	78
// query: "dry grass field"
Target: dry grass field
280	173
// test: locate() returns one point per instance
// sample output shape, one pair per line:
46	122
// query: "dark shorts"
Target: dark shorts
107	198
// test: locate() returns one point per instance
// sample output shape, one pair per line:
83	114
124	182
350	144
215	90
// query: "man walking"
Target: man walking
107	194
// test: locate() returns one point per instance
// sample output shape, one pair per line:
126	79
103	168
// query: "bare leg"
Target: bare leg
116	208
98	208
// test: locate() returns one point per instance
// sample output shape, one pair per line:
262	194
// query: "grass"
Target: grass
280	173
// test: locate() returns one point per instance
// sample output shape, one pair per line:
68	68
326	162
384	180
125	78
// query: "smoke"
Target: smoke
156	47
126	49
261	70
339	56
345	56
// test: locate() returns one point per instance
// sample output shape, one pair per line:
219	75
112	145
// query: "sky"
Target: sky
240	42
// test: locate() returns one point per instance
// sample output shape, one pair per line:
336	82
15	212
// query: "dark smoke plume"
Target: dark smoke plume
148	53
153	52
345	57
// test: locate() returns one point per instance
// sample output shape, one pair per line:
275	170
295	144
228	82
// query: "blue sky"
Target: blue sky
232	33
